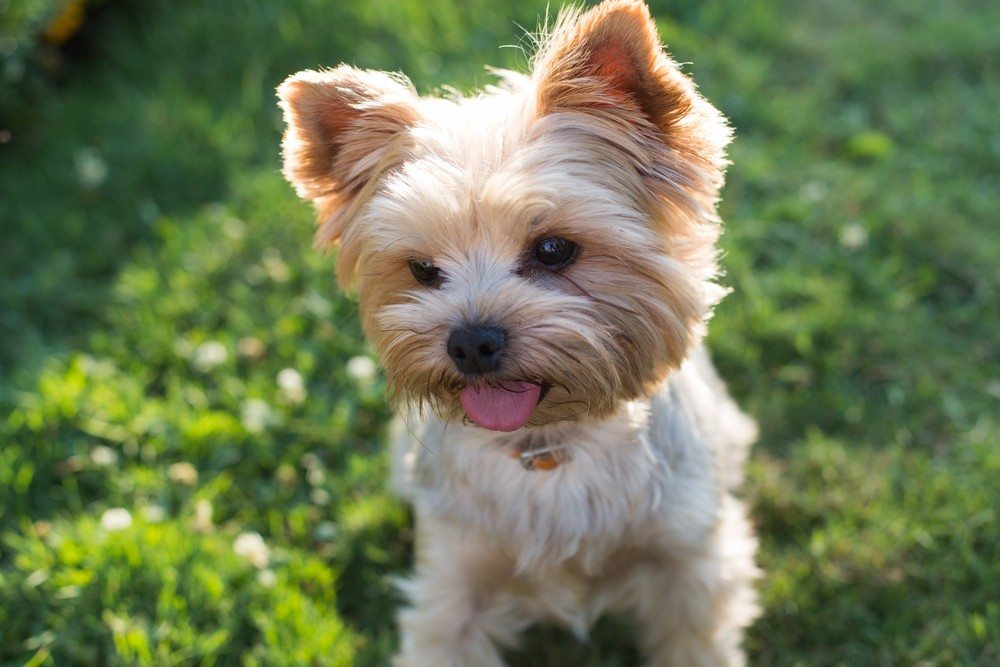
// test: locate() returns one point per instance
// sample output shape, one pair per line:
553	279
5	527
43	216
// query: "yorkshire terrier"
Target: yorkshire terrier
535	266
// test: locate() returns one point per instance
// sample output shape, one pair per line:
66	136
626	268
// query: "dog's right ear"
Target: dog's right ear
345	128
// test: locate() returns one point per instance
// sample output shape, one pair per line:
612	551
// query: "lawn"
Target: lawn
192	460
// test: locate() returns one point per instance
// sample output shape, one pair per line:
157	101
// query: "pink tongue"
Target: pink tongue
506	408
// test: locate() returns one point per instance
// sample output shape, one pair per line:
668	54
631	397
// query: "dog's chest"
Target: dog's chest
600	496
574	596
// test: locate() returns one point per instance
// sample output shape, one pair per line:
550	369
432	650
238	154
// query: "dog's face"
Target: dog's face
540	252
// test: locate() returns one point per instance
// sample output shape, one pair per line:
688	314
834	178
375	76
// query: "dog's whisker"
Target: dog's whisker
413	434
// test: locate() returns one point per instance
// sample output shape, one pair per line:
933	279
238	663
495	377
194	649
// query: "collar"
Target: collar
539	458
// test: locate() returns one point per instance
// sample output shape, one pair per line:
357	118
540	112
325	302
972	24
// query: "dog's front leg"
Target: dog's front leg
694	606
463	609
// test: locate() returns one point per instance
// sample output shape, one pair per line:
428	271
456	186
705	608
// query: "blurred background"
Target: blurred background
192	466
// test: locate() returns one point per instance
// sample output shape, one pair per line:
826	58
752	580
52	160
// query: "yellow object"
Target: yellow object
65	23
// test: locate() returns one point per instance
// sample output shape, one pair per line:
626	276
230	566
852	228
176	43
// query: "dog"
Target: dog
535	267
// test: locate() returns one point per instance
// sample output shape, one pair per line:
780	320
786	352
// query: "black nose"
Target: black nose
476	349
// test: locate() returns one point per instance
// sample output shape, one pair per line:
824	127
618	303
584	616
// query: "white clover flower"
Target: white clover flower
202	521
317	305
104	457
267	578
91	169
853	236
154	513
116	518
316	476
209	355
256	415
251	348
814	191
234	228
183	472
320	497
251	546
275	267
361	369
292	385
309	460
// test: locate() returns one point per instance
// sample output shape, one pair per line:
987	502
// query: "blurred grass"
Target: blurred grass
157	280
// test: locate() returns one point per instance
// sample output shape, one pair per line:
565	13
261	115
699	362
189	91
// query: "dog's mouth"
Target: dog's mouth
504	407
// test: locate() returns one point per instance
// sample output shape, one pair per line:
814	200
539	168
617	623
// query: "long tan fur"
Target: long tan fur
606	143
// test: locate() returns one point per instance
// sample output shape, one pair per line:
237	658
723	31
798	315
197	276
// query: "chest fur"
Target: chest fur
618	487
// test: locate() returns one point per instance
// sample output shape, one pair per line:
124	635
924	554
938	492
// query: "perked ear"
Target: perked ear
345	128
609	62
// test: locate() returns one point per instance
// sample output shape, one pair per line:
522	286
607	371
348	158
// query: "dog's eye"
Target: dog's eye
555	253
425	272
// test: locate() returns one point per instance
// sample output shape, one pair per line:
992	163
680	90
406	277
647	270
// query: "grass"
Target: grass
170	344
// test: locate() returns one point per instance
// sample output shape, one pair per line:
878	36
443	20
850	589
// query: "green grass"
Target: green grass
156	277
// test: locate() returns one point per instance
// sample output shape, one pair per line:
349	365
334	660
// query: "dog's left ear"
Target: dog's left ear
608	63
345	128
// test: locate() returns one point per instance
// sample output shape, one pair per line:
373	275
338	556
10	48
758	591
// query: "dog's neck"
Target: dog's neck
546	447
540	451
477	479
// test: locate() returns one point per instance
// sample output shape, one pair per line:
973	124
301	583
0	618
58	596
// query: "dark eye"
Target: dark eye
555	253
425	272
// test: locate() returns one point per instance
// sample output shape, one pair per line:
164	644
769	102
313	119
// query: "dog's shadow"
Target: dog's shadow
611	644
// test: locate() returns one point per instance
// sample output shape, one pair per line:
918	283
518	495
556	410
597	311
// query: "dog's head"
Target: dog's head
539	252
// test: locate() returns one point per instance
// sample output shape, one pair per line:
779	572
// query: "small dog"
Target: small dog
535	267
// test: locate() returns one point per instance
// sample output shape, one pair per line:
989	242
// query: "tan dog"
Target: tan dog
535	268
